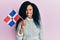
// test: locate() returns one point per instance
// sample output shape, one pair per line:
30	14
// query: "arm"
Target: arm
41	32
19	35
20	30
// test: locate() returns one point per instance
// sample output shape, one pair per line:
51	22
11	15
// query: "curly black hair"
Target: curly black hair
36	14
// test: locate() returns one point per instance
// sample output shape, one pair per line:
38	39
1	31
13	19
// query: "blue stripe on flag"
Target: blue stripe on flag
11	23
12	13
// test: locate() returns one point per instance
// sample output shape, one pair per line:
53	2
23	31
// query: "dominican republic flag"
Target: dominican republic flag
11	18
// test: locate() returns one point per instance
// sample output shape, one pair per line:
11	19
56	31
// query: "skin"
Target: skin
29	13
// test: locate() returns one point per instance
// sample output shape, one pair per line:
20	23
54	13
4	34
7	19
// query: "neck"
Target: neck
30	17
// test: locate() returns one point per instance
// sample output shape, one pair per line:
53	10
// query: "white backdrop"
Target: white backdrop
50	15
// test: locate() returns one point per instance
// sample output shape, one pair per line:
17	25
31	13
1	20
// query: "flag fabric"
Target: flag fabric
11	18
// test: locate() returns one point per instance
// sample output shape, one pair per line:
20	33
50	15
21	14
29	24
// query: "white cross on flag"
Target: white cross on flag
12	18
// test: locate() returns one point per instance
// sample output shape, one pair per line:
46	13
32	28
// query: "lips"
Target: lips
29	14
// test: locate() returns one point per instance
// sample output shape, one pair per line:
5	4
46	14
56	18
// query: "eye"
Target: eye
30	9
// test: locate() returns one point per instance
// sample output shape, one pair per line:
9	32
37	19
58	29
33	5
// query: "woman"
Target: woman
29	28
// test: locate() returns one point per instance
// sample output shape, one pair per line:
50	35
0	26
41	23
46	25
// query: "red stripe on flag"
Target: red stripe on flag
7	19
17	18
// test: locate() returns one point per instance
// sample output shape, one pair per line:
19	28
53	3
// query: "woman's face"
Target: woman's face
29	11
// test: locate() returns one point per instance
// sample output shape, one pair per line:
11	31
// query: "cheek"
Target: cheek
29	13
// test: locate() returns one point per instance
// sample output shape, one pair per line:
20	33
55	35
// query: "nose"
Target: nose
28	12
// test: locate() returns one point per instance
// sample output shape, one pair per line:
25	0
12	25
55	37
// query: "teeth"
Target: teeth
29	14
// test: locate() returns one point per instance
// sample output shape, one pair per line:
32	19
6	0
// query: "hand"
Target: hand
23	23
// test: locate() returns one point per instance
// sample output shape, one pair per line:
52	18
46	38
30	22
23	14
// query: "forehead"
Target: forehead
29	7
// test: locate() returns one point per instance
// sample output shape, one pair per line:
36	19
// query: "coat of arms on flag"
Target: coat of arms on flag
11	18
